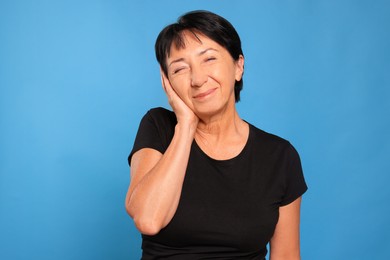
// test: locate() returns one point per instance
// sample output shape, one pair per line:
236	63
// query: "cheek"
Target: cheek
225	74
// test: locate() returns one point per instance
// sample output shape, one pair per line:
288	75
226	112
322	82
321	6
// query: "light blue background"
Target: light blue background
77	76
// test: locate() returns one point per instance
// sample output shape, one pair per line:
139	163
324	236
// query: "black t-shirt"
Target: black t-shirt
228	209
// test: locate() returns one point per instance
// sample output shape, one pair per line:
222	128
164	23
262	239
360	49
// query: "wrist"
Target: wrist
186	127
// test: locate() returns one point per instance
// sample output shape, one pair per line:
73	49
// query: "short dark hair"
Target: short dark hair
207	23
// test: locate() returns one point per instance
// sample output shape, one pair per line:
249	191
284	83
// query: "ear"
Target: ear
239	67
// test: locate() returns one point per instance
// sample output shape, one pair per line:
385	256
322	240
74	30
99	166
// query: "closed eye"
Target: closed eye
175	71
210	59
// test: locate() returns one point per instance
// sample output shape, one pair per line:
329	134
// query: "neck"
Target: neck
224	126
223	137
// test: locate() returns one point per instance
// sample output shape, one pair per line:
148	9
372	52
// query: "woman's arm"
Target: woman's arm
284	244
157	179
156	182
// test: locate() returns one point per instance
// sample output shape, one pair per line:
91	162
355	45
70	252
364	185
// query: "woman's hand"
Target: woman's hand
183	113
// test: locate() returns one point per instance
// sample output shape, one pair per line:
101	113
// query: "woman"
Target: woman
205	183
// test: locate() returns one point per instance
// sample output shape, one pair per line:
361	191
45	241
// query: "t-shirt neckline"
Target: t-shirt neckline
230	160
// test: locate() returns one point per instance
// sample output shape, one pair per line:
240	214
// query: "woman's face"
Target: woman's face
203	74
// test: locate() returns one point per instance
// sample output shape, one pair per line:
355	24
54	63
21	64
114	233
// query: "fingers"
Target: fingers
170	92
164	81
173	98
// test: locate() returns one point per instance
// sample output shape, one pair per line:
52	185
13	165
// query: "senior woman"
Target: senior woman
205	184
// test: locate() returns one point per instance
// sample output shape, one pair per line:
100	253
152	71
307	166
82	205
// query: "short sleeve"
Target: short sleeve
155	131
295	184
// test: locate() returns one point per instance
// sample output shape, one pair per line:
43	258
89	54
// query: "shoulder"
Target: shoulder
279	151
160	117
160	113
268	139
155	130
271	145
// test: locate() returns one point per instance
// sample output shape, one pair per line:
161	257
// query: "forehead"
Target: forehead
190	41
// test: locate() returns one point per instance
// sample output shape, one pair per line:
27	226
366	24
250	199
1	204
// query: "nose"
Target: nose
198	76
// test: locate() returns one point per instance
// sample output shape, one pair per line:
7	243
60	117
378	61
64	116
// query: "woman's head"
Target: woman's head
206	23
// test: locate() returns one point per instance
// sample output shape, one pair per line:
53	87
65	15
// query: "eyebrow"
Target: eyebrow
206	50
199	54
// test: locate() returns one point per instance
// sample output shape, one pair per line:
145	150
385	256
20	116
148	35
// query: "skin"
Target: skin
284	244
200	89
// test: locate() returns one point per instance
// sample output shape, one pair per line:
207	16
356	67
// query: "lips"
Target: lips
204	94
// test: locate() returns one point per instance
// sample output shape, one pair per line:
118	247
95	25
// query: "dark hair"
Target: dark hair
209	24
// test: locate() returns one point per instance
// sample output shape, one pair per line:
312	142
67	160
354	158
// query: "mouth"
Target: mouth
205	94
